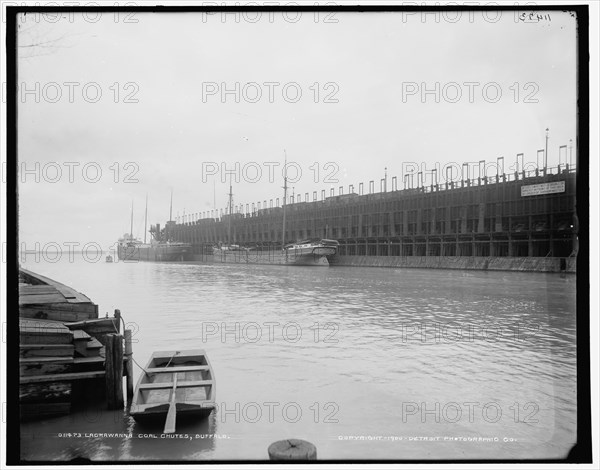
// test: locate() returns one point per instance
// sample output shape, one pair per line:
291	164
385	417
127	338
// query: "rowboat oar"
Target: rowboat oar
172	413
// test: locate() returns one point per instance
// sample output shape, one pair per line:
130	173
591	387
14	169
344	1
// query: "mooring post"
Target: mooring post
292	449
114	371
129	365
118	318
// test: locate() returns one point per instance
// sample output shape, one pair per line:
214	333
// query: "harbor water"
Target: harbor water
365	363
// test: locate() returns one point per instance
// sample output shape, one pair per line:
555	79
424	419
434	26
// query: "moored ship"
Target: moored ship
309	252
132	249
161	246
312	252
315	251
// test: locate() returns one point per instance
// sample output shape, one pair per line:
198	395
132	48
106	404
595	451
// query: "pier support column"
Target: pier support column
114	371
129	365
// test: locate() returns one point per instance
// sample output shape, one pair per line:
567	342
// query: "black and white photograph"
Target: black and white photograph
305	232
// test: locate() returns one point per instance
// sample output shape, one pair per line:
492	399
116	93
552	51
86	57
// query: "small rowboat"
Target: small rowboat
174	385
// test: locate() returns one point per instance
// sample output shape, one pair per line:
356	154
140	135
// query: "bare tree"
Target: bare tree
36	36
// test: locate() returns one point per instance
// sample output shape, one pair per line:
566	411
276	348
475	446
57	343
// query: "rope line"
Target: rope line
174	354
132	358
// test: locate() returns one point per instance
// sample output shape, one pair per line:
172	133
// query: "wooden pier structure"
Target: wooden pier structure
67	354
524	214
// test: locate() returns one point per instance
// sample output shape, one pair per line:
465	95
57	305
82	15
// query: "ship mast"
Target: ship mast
131	227
230	213
168	227
284	198
146	219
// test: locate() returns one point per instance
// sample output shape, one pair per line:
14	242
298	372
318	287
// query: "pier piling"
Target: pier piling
114	371
129	365
118	320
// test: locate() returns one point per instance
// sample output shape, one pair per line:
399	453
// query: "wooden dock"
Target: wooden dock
44	298
63	349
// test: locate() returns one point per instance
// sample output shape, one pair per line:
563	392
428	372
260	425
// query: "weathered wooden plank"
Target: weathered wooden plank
92	348
96	326
44	350
37	290
51	312
40	321
68	307
48	338
186	384
41	299
66	291
43	331
30	277
43	360
169	370
81	345
48	392
93	343
88	360
27	325
41	368
62	377
80	334
32	330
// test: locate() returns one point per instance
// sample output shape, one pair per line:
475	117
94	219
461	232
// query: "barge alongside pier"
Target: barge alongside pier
315	252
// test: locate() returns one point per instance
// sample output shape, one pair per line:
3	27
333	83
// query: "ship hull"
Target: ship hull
270	257
155	253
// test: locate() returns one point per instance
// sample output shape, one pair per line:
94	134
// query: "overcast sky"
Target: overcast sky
361	109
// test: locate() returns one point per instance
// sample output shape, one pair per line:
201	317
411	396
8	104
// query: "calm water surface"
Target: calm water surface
363	362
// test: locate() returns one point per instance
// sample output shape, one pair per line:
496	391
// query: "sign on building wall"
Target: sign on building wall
544	188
